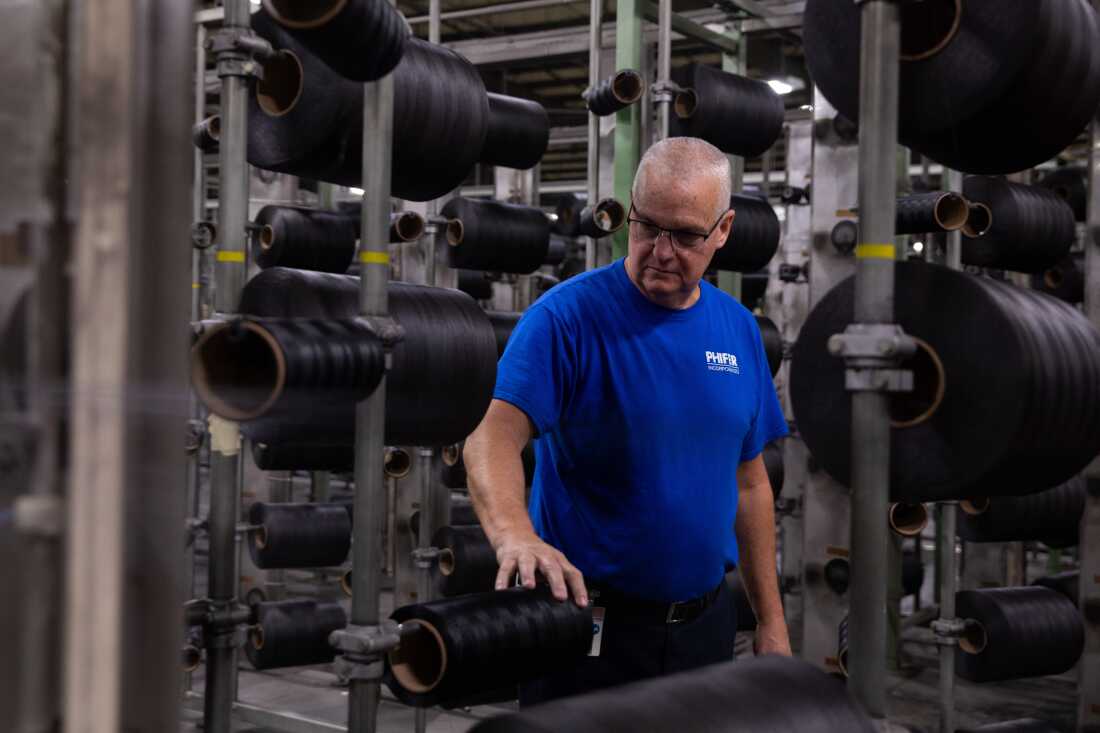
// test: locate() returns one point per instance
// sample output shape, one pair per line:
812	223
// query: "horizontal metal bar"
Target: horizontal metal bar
690	29
498	9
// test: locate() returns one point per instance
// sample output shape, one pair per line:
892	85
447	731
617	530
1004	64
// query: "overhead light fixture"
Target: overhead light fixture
918	247
355	191
780	87
807	108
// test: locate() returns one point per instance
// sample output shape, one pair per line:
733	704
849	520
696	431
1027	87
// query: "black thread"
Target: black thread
930	212
1067	583
1032	227
1069	183
1019	632
942	447
773	465
912	572
606	217
492	235
567	210
483	642
768	694
443	370
503	325
1064	280
476	284
306	239
303	457
753	238
293	633
739	116
518	132
462	515
298	535
1052	516
1020	725
773	343
360	39
467	563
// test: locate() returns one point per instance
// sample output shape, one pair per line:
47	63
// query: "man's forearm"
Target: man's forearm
755	528
494	471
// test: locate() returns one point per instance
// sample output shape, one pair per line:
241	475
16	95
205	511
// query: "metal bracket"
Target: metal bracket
387	330
237	51
39	515
665	91
948	630
353	667
872	352
360	644
425	557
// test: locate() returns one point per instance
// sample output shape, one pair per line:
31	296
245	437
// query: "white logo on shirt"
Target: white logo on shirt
720	361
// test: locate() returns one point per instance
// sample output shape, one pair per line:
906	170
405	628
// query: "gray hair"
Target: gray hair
686	157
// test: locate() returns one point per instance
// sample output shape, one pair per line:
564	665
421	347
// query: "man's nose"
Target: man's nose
662	247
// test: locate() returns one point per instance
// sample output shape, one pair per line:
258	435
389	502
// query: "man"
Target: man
649	396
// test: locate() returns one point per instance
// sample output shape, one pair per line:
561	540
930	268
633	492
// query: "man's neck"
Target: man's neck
673	301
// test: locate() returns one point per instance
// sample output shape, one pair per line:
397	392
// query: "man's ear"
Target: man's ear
723	230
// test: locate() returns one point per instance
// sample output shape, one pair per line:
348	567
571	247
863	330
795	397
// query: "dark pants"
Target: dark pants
633	650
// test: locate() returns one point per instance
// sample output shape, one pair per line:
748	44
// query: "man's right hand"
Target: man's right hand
526	553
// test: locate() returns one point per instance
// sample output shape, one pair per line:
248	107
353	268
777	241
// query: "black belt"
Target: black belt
654	612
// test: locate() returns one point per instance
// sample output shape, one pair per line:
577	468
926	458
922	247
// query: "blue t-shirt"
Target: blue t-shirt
643	415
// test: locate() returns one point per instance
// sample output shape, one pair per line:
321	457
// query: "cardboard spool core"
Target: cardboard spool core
281	88
420	661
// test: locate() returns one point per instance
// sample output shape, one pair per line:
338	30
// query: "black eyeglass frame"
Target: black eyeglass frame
630	219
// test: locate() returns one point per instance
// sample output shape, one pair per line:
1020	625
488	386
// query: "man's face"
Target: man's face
665	271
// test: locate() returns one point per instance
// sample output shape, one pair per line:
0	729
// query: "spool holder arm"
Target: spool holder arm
237	50
362	647
872	352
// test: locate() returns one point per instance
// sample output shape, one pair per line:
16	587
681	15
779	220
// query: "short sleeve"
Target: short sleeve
769	423
536	371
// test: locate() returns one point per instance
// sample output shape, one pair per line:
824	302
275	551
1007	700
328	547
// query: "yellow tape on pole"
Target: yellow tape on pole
876	251
230	256
374	258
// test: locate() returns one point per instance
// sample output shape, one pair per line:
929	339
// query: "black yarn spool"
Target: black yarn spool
979	81
462	515
567	210
618	91
298	535
773	464
956	435
360	39
1067	583
307	120
606	217
518	132
476	284
1064	280
503	325
558	249
303	456
773	342
738	116
1016	632
1052	516
1068	183
405	226
308	240
293	633
1020	725
443	370
492	235
930	212
1032	228
753	238
768	694
207	133
467	562
483	642
746	617
912	572
271	371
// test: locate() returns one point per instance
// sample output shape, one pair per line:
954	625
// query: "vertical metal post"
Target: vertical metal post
664	65
424	542
595	32
946	519
730	282
628	122
370	415
954	181
225	439
198	190
874	304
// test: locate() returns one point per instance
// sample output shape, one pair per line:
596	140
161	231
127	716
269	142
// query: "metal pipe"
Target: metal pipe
946	520
595	24
225	440
954	182
370	415
424	543
664	65
874	303
498	9
198	191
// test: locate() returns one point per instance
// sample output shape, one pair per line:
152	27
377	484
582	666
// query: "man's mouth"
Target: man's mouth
663	272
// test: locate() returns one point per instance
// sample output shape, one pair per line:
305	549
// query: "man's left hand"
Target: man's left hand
772	638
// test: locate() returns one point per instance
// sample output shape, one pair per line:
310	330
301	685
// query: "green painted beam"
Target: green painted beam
628	122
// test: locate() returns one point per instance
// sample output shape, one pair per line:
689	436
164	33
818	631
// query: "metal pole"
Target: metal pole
370	415
946	520
595	26
424	544
225	439
628	122
874	304
953	259
730	282
199	287
664	65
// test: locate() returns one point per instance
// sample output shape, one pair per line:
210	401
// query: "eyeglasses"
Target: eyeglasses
683	239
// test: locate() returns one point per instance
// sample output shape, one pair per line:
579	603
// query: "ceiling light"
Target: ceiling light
780	87
918	247
355	191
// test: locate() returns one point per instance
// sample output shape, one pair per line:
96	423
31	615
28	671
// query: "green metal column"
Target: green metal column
730	282
628	122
